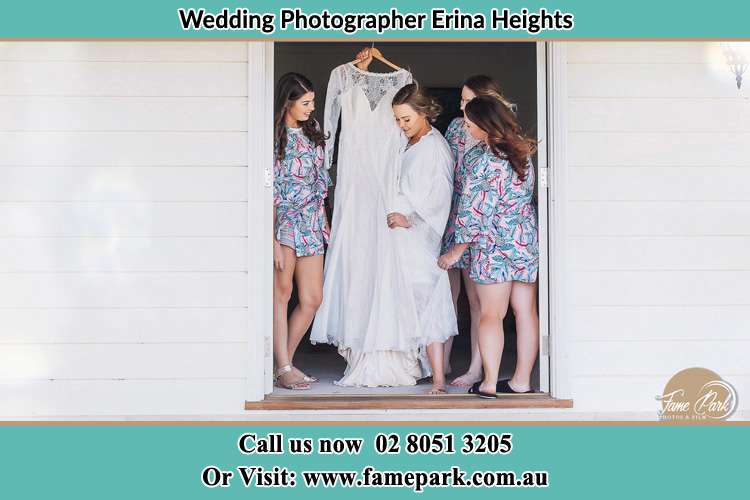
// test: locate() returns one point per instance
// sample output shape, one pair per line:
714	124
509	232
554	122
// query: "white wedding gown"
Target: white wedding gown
368	311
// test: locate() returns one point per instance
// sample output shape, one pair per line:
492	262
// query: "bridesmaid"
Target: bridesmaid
496	221
462	144
300	228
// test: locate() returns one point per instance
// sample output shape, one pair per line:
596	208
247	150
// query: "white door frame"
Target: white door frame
259	220
542	187
557	94
551	58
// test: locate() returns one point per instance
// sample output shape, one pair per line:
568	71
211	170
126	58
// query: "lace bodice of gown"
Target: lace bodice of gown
374	86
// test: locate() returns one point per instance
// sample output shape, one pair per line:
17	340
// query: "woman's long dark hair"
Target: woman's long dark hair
483	85
291	87
504	135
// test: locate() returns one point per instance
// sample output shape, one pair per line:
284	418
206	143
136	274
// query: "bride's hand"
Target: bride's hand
364	57
396	219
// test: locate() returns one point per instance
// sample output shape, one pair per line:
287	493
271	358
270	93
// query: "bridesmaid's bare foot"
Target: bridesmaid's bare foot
467	379
437	390
519	387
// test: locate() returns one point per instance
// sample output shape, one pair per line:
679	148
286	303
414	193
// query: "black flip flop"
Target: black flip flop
504	387
474	389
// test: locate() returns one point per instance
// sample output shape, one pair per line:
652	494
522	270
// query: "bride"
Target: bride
421	206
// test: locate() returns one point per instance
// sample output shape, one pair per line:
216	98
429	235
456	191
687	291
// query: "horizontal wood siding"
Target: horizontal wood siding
658	221
123	223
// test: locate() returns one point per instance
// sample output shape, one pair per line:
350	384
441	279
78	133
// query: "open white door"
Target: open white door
542	197
260	218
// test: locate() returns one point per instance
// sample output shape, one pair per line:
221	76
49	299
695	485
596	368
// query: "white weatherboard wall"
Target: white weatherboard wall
657	225
123	228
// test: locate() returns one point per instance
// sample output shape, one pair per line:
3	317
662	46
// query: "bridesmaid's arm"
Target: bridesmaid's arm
474	203
450	257
278	255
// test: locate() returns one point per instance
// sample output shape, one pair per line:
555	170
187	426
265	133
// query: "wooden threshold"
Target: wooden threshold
406	402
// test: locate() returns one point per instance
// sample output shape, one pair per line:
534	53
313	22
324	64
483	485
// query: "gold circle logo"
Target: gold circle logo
697	394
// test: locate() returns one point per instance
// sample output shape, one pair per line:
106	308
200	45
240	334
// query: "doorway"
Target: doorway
520	68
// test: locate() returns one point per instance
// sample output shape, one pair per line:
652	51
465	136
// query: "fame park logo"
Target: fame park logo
697	394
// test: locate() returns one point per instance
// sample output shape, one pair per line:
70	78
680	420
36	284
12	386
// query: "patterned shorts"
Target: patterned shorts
497	264
304	230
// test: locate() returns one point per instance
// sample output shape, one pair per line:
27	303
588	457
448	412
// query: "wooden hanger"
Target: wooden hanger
377	55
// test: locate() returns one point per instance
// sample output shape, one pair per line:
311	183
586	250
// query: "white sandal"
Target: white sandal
305	376
302	385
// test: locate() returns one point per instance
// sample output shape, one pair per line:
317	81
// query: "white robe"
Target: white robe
423	195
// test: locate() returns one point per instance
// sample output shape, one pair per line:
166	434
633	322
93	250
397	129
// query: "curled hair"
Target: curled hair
483	85
504	135
420	102
291	87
